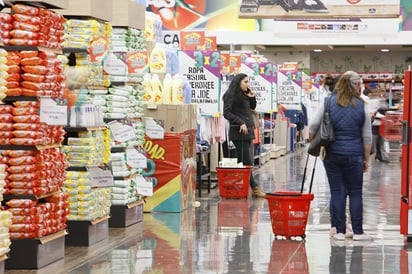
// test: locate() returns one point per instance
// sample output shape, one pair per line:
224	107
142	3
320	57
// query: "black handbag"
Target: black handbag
325	134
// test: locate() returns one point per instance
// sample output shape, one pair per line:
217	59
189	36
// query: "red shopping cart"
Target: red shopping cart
289	210
391	132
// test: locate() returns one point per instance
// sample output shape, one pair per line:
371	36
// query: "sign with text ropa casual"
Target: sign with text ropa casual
260	82
290	88
202	70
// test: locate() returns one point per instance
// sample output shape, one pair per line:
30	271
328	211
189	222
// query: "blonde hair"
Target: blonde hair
348	87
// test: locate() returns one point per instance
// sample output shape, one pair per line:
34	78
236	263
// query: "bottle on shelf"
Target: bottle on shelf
148	89
167	89
157	88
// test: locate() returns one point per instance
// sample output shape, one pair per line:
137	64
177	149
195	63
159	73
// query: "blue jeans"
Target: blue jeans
345	175
243	155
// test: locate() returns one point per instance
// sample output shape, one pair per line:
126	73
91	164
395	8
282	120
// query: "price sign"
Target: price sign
144	186
121	132
53	111
135	159
100	177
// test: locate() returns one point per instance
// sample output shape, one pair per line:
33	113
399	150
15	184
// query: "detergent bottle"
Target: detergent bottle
148	96
177	90
157	89
167	89
157	61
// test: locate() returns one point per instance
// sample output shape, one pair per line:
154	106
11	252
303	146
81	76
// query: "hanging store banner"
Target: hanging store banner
260	82
202	70
319	9
274	87
290	89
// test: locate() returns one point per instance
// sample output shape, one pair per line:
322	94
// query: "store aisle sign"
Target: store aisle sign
135	158
202	70
122	131
290	89
100	177
53	111
320	9
260	82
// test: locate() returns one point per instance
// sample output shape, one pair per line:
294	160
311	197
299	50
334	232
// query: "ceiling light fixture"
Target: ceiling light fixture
384	50
317	50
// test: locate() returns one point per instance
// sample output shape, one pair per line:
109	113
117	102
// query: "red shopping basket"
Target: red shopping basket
289	213
234	182
289	210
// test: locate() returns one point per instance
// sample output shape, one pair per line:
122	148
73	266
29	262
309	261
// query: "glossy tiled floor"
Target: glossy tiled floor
235	236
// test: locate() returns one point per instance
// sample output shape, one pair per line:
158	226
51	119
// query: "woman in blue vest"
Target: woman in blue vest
348	157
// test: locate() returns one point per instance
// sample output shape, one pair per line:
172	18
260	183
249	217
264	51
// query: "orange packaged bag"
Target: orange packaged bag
32	61
25	110
36	78
23	160
14	92
26	26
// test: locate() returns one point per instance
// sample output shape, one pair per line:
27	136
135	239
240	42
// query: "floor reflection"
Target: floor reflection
236	236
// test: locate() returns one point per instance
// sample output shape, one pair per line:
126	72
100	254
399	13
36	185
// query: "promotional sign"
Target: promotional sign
100	177
192	40
202	70
290	89
98	49
319	9
235	62
210	43
171	38
172	165
274	87
137	62
260	82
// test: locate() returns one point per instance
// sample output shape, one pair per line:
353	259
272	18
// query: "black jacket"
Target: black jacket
236	110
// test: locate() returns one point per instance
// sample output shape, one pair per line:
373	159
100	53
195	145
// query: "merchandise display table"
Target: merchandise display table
87	233
126	215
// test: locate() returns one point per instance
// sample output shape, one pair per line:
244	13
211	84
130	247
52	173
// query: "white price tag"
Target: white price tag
100	177
135	159
121	132
153	128
144	187
53	111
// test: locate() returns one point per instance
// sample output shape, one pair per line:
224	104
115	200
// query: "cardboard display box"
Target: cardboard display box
177	118
99	9
128	14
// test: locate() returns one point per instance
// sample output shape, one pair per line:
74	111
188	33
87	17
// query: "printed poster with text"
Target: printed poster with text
202	70
260	82
274	87
290	89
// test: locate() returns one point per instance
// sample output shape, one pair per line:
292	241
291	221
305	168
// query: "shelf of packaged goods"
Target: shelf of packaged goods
31	48
87	232
81	129
39	147
37	252
28	196
75	50
126	215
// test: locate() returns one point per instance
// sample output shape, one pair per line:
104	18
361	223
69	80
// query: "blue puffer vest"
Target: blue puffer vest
347	124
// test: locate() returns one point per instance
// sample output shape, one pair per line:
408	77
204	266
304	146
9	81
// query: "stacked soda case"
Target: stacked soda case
35	219
20	125
32	26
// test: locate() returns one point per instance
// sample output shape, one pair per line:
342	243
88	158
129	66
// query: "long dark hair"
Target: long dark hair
234	87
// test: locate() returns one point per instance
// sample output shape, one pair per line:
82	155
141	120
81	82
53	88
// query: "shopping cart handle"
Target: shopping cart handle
284	194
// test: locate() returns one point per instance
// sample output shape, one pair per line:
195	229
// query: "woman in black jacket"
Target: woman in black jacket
238	101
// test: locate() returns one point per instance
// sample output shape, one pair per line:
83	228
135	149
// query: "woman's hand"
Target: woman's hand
243	129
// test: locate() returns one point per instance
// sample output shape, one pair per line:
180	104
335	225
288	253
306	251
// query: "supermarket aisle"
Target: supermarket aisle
235	236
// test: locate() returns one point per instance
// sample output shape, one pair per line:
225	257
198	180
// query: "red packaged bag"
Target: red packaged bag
21	203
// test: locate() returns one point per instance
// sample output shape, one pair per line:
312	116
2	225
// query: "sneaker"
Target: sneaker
349	231
257	192
339	237
362	237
